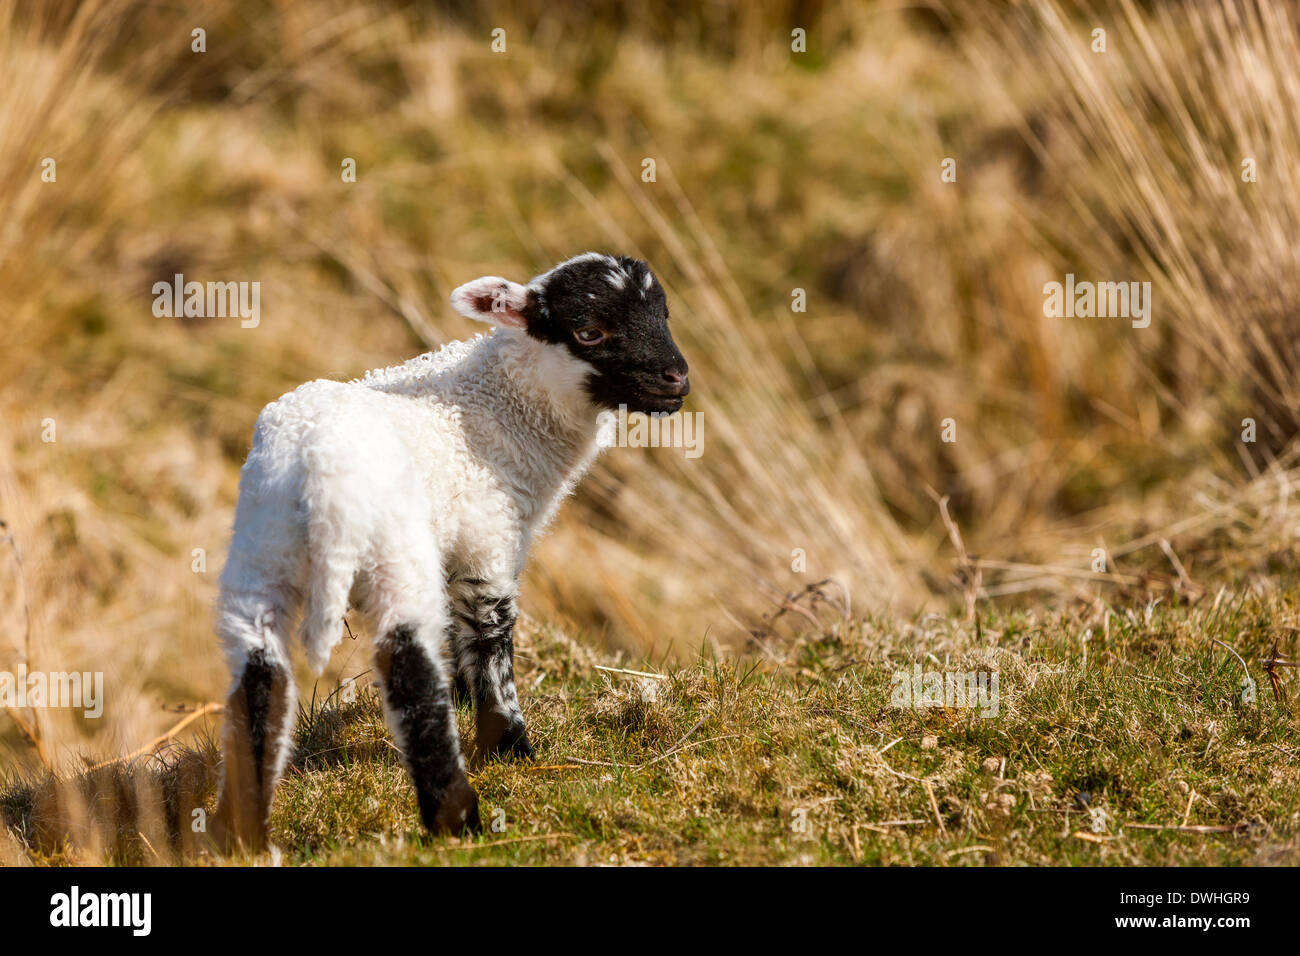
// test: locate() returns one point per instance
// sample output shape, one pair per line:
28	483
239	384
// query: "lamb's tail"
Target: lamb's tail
334	557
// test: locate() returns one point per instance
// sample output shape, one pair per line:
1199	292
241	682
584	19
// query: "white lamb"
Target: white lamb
413	495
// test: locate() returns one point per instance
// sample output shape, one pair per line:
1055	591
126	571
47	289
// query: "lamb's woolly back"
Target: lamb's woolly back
411	376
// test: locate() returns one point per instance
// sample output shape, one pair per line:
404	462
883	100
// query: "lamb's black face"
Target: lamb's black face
611	313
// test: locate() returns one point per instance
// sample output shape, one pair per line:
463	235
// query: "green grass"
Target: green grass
717	762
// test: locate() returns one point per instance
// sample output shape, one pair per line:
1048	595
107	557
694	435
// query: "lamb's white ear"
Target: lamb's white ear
493	300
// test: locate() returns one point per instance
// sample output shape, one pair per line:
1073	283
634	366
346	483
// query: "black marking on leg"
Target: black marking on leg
460	692
257	711
256	683
420	700
485	651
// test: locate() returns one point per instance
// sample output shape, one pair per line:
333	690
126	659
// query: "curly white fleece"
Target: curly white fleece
372	492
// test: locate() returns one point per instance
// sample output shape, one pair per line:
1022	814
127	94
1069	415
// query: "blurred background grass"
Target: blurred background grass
776	171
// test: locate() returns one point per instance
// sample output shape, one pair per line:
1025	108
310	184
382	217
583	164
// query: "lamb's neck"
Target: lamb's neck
542	392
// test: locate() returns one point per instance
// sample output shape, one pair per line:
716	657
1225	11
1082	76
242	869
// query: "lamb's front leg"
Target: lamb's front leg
485	651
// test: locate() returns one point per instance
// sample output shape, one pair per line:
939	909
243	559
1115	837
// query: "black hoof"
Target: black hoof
498	737
515	746
456	813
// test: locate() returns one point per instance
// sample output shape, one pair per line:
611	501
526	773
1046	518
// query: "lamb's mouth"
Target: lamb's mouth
656	402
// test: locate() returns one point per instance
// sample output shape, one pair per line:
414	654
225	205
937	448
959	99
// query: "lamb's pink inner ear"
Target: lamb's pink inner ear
493	300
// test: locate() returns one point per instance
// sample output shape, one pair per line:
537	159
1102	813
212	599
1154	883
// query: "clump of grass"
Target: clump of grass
341	728
147	811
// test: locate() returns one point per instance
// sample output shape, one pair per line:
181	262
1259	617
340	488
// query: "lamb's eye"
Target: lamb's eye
590	335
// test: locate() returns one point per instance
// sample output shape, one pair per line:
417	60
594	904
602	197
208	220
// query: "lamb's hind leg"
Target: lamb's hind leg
417	698
259	718
485	651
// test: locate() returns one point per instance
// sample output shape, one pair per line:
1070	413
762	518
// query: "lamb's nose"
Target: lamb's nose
677	383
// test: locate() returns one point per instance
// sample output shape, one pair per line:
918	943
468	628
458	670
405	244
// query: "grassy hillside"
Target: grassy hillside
1121	737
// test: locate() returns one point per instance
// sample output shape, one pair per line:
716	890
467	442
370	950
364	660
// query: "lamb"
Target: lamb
413	495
